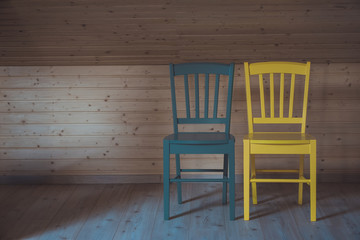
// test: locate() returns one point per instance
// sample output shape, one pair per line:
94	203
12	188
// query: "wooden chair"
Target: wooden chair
201	142
278	142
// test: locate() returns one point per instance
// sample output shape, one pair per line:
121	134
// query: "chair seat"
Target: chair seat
282	138
199	138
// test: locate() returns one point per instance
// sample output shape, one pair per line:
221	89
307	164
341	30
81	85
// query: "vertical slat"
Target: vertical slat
248	97
166	174
262	99
197	104
232	179
225	176
291	100
312	179
301	174
229	98
272	95
281	106
306	94
206	110
216	97
178	174
173	98
253	175
186	86
246	182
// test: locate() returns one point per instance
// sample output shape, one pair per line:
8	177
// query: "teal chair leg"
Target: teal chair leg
178	173
225	175
166	176
232	183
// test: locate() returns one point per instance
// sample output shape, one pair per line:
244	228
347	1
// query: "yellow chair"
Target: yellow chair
278	142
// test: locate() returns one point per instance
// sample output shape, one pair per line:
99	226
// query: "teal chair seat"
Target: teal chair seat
201	142
198	138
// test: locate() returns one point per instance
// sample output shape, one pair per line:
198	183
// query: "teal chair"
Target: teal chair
201	142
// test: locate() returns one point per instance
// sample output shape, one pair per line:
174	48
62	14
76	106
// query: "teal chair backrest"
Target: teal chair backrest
202	72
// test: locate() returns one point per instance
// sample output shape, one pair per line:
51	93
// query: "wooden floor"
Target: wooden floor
134	211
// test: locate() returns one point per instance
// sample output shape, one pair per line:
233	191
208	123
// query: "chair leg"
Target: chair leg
253	175
225	175
246	170
232	182
178	173
166	176
301	174
313	180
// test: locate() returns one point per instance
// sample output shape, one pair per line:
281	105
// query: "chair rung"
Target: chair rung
302	178
199	180
277	170
201	170
263	180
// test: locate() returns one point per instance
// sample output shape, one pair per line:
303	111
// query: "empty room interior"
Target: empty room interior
167	119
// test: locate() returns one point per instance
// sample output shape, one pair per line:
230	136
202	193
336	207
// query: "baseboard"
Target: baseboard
82	179
344	177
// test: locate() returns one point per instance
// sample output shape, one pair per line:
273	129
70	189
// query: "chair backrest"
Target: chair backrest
202	74
293	72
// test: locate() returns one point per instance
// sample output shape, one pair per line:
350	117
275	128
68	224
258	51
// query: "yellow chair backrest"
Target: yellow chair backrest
282	68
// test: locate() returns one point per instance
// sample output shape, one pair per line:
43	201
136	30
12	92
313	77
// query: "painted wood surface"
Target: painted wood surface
110	120
135	211
127	32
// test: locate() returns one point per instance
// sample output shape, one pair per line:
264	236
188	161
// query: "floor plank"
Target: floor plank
69	220
44	203
178	226
107	213
352	198
135	211
207	217
15	205
138	221
7	191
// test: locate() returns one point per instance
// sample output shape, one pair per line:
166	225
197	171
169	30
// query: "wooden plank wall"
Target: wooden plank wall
110	32
62	115
110	120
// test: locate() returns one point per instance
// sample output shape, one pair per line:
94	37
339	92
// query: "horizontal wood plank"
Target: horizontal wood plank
158	32
106	120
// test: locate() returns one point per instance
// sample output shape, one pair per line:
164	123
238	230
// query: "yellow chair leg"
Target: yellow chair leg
246	172
313	180
301	174
253	175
